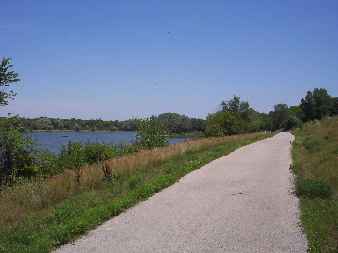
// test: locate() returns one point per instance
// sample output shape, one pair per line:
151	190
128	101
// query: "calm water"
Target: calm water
53	141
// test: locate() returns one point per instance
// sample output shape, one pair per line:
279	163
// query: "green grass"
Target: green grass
74	216
315	156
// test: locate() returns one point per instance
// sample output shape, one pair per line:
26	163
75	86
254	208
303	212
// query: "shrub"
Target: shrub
292	122
151	133
16	152
96	152
225	123
313	189
311	144
46	163
73	157
214	130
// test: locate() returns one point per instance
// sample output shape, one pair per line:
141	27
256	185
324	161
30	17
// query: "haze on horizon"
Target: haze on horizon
121	59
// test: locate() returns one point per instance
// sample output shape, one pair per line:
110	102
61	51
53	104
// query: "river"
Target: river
53	141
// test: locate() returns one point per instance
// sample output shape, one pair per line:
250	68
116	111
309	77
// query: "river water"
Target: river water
53	141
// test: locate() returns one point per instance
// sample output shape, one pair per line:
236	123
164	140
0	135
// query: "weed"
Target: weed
313	189
315	165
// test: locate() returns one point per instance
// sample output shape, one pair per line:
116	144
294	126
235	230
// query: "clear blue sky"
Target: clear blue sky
119	59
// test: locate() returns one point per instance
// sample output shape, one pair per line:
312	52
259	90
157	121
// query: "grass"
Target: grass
39	216
315	156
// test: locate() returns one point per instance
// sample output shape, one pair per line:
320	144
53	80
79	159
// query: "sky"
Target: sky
114	59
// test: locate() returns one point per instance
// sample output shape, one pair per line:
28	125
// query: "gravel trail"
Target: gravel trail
242	202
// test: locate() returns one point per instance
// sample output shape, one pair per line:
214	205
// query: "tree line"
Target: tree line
236	116
173	122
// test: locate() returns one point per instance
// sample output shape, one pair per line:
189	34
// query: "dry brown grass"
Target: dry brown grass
21	200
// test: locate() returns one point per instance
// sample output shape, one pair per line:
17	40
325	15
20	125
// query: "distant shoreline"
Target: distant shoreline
172	135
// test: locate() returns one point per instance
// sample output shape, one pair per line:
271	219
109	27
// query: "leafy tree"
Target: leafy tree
7	77
245	110
296	111
236	116
16	152
317	104
223	123
177	123
232	105
291	122
151	133
198	124
258	122
279	116
73	157
215	124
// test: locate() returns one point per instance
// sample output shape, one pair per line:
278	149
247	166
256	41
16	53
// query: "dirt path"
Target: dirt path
242	202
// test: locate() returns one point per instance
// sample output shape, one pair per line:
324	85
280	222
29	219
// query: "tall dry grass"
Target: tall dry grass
21	200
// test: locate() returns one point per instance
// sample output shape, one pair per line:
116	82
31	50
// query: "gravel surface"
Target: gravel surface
242	202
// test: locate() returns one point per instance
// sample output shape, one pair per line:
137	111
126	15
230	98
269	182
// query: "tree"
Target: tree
235	117
223	123
16	151
279	116
73	157
7	77
232	105
151	133
317	104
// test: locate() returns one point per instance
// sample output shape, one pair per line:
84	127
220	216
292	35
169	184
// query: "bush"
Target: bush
16	152
214	130
313	189
73	157
46	163
97	152
151	133
311	144
292	122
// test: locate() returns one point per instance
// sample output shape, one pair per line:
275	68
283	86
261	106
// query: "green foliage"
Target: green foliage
49	124
223	123
235	117
97	152
151	133
291	123
214	129
279	116
177	123
318	104
7	77
315	165
46	163
311	144
16	151
174	123
285	118
75	155
233	105
313	189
